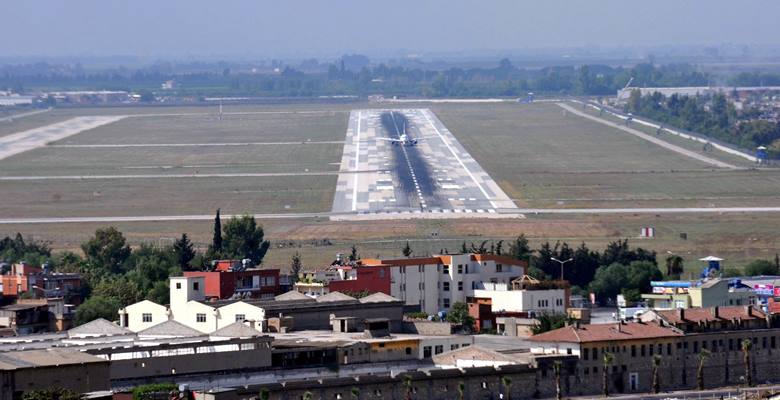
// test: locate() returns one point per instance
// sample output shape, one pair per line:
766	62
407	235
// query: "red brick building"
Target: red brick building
229	278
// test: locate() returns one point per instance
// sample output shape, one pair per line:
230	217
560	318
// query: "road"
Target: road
22	115
651	139
347	215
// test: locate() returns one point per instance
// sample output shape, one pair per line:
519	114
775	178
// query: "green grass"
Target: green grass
543	157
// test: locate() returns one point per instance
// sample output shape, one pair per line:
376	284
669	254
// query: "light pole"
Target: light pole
561	262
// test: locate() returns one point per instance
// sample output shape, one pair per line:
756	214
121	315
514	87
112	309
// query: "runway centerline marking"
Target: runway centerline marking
457	158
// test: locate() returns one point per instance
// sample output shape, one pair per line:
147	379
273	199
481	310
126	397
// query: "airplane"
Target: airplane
403	140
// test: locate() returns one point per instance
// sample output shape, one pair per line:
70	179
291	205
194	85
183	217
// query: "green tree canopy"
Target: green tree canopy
761	267
184	252
459	314
97	307
107	250
243	238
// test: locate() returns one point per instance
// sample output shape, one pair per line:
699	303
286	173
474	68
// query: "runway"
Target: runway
30	139
434	178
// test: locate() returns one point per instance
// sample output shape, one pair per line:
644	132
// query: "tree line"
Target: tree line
114	275
712	115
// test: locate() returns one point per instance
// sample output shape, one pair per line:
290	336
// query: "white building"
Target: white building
525	295
432	284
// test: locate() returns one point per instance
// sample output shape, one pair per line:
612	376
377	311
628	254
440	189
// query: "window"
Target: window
446	286
403	269
473	285
633	350
460	287
195	285
178	285
460	268
427	352
499	268
408	351
200	317
454	347
445	270
585	353
146	317
642	351
240	317
668	349
446	303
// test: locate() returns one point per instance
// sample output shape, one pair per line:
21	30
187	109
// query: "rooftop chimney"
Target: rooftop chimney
681	314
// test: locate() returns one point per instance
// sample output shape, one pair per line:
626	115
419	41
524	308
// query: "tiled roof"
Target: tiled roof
377	297
98	327
699	314
236	330
334	296
606	332
472	353
292	295
170	328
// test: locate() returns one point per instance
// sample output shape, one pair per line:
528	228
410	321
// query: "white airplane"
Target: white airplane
403	140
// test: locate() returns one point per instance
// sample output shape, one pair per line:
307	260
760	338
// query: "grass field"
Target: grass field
540	156
544	157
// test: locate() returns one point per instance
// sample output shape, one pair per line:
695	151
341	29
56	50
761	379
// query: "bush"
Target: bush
760	267
154	391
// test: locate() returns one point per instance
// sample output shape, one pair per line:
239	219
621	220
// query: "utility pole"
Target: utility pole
561	262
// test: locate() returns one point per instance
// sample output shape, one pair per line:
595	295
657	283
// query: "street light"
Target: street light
561	262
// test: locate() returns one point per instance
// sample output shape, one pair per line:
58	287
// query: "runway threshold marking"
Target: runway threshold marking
357	163
473	178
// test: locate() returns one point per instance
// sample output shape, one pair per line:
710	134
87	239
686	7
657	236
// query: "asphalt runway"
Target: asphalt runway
436	178
30	139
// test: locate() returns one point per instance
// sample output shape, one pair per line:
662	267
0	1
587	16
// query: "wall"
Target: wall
427	327
227	314
80	378
372	279
135	313
525	300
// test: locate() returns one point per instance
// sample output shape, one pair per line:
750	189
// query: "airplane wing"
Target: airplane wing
391	140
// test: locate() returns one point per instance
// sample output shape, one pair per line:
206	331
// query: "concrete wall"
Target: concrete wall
227	314
80	378
427	327
552	300
134	315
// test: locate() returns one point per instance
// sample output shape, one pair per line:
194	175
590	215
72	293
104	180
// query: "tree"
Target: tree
627	279
160	293
54	393
760	267
550	321
557	372
123	291
307	395
407	387
353	254
702	357
461	390
265	394
674	266
459	314
216	240
407	250
606	360
507	384
656	365
107	250
184	251
295	267
244	239
355	393
747	345
96	307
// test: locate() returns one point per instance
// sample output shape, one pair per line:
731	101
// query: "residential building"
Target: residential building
190	307
230	279
430	284
40	283
677	338
25	318
708	292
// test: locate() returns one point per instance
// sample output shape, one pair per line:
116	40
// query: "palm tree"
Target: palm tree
408	387
507	383
557	371
264	394
462	390
747	345
656	382
355	393
607	360
702	356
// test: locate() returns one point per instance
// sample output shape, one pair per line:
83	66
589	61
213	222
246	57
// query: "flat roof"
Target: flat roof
45	358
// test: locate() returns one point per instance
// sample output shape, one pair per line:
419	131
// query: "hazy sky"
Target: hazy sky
331	27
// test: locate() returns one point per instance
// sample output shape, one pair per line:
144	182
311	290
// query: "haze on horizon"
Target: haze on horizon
175	28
